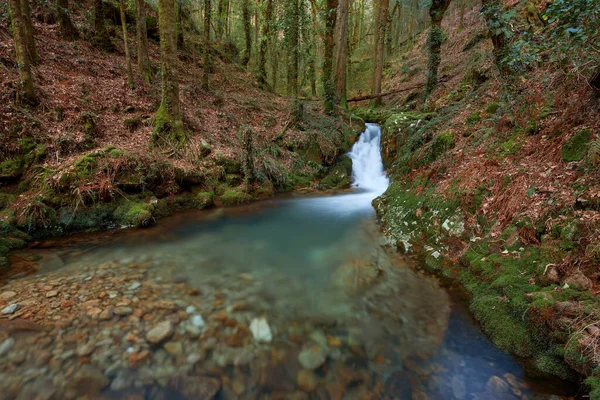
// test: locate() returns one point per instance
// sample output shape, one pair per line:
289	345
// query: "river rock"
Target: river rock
307	380
312	357
196	387
260	330
52	293
8	295
123	311
10	309
197	321
88	381
6	346
497	386
135	285
174	348
160	333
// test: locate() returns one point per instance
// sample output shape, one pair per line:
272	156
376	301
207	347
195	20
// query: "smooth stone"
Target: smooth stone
174	348
10	309
312	357
160	332
190	310
52	293
85	350
497	386
260	330
195	358
135	285
88	381
197	387
307	380
197	321
6	346
8	295
123	311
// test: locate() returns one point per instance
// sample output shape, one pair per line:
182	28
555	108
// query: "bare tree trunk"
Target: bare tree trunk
179	11
67	28
274	65
247	32
168	126
126	45
23	58
221	15
328	86
434	43
29	32
380	29
101	38
312	62
341	51
264	43
292	33
207	61
461	24
142	42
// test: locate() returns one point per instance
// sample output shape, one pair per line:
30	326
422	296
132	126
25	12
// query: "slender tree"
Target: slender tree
328	86
179	12
461	24
168	126
221	19
292	36
143	61
68	30
341	51
434	43
207	61
379	47
264	43
101	38
126	45
26	89
247	32
29	32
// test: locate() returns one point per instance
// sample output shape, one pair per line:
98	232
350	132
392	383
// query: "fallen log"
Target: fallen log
375	96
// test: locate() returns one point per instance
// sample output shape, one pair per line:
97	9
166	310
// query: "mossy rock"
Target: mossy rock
338	178
264	191
234	197
232	166
438	146
492	108
233	179
372	114
554	366
346	162
473	118
203	200
576	148
136	214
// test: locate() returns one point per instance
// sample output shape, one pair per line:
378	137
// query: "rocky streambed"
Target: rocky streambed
224	308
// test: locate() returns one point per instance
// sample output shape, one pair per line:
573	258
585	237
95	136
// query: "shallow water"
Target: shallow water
313	268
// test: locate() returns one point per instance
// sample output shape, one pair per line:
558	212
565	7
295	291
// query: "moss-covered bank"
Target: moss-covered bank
523	300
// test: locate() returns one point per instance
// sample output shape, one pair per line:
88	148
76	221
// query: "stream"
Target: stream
289	298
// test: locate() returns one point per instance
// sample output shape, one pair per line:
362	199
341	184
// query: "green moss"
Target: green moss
438	146
203	200
473	118
136	214
167	132
132	123
492	108
234	197
576	148
532	128
336	179
593	383
10	168
552	365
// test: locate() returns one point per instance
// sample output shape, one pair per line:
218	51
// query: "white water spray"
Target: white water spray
367	164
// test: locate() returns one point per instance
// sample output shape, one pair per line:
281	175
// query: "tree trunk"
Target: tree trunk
379	46
312	61
29	32
461	24
26	89
180	41
221	14
67	28
434	43
101	38
168	126
247	32
264	43
274	65
292	34
492	10
328	86
341	51
126	45
142	42
207	62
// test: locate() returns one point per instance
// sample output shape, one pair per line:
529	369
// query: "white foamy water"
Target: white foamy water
369	180
367	164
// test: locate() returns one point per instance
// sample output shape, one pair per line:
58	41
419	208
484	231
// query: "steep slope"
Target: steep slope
498	190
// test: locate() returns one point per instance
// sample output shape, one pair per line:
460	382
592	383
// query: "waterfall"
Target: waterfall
367	165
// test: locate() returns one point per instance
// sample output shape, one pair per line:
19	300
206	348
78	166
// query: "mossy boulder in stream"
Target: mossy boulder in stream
338	178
